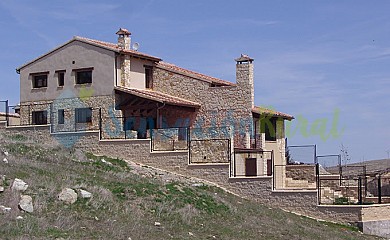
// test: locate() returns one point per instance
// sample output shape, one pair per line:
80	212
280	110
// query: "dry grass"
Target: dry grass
125	204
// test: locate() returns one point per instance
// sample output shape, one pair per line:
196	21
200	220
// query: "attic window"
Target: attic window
83	76
39	80
148	77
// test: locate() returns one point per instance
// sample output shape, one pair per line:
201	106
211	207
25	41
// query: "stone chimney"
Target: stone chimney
244	77
124	40
124	59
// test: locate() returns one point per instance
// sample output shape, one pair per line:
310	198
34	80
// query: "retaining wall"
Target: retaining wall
254	188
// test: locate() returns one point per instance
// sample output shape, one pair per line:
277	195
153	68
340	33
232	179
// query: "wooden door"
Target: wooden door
250	167
269	167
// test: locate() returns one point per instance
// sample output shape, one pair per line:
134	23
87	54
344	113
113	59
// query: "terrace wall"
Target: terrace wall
254	188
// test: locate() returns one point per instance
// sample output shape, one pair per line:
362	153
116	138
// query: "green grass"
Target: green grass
126	203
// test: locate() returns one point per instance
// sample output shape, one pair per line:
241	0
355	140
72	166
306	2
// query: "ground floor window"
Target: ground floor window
61	116
39	117
83	115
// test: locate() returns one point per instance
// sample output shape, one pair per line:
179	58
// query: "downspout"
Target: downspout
116	70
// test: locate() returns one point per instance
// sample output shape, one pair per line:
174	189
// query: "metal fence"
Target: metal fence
303	154
169	139
5	109
62	121
329	164
354	190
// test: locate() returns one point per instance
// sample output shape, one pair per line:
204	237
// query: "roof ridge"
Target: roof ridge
198	74
115	46
271	111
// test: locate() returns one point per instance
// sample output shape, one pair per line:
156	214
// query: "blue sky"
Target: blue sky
312	58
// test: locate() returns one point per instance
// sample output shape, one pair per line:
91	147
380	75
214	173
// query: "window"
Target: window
61	78
148	77
61	116
39	80
83	115
268	126
83	76
39	117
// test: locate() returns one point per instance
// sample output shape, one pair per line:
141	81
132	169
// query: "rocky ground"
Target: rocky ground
49	192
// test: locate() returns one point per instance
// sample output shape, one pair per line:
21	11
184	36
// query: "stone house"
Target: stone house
88	85
110	99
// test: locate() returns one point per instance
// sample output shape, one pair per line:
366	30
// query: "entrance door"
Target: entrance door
250	167
269	167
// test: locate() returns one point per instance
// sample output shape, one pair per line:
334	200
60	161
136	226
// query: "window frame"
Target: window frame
270	134
35	81
60	78
148	80
61	116
41	116
83	115
83	70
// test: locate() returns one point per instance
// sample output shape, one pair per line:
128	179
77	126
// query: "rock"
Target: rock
6	153
4	209
19	218
85	194
106	162
1	189
157	224
67	195
19	185
5	160
25	203
190	233
197	185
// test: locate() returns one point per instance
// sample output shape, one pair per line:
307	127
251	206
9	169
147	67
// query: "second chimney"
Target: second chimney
124	40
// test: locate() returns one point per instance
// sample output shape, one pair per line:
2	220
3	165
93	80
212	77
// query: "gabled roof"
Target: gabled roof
158	97
106	45
270	112
186	72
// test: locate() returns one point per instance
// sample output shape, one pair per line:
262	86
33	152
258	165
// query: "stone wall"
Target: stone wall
105	104
300	173
221	106
254	188
210	151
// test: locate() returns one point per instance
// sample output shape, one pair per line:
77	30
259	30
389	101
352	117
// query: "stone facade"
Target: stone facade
220	106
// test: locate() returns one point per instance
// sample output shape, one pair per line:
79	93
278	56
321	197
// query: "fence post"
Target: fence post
317	173
379	190
319	191
6	113
360	200
100	124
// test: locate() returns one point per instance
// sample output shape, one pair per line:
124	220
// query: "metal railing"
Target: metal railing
169	139
354	190
6	110
301	154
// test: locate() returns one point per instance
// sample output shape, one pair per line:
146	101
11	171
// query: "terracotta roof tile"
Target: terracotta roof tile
172	67
267	111
158	97
115	47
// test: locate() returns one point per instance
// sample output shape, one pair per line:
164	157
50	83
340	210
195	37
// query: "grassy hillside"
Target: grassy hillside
128	200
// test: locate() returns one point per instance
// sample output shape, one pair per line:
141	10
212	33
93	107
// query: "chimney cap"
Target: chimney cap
123	31
244	58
